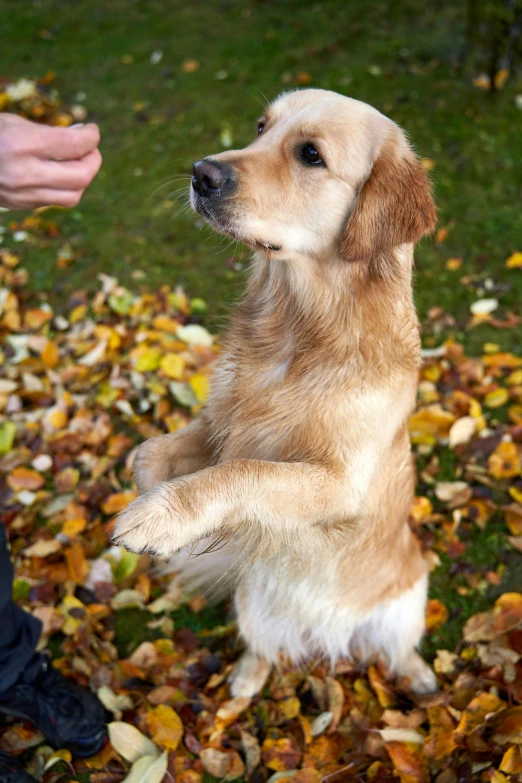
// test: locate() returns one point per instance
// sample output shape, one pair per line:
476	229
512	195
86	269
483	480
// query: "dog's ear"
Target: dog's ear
394	206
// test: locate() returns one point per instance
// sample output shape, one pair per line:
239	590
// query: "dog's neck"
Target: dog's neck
336	308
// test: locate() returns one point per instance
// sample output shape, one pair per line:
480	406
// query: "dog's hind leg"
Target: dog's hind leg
249	675
407	615
393	632
420	675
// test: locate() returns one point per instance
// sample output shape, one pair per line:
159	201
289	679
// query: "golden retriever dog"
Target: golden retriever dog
300	463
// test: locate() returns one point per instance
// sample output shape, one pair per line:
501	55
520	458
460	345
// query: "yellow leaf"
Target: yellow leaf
281	754
108	334
73	612
504	462
421	509
496	398
200	386
148	359
290	708
514	261
427	164
57	756
165	726
432	420
501	78
57	418
515	413
453	264
73	527
172	365
513	517
515	378
78	313
516	494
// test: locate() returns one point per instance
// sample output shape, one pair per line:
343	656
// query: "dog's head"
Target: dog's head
326	175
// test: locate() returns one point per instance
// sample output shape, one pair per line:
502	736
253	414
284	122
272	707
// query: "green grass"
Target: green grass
397	56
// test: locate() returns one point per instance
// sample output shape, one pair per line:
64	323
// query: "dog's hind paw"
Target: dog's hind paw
421	678
249	675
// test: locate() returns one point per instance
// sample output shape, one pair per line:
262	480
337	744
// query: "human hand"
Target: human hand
42	165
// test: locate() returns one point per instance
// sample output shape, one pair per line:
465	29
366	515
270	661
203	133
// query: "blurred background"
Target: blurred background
170	82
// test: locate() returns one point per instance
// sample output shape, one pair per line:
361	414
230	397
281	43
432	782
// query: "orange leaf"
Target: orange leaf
507	727
50	354
118	501
436	614
408	761
507	613
25	478
77	565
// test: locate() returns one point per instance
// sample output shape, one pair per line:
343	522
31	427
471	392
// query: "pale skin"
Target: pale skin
45	166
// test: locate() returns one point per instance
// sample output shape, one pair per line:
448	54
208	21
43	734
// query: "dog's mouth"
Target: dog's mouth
226	227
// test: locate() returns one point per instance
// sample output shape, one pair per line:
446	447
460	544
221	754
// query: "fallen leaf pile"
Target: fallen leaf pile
78	390
38	101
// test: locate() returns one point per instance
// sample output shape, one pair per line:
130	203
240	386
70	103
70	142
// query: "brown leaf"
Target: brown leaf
335	696
225	766
281	754
507	726
251	749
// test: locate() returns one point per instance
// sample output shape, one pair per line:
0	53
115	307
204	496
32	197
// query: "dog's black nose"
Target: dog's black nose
209	176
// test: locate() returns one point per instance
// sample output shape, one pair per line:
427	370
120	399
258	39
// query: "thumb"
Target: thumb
67	143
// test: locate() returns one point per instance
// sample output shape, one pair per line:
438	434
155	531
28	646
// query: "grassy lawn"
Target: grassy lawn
156	119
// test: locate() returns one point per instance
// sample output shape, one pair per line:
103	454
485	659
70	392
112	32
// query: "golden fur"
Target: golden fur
301	459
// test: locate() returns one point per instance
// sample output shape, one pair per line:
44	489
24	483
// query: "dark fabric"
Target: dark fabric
19	631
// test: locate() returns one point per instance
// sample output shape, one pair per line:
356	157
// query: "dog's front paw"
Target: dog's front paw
157	522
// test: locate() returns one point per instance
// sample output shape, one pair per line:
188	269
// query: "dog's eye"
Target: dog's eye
260	127
310	154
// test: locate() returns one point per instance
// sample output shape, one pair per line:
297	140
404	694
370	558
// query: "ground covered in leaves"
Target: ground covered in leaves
80	386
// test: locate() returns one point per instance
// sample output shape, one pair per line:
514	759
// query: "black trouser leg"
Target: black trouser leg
19	631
